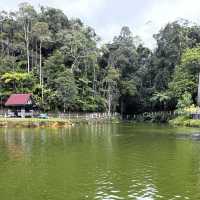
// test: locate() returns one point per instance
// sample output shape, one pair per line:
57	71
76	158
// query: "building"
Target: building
20	105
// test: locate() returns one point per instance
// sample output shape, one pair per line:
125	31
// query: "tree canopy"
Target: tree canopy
60	61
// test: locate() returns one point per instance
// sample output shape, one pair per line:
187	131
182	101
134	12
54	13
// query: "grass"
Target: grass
50	122
33	120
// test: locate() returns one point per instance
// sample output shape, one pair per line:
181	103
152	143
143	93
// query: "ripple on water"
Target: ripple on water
103	163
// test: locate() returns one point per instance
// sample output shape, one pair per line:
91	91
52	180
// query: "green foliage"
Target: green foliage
161	98
180	121
182	82
17	82
185	101
40	30
68	71
185	77
65	89
53	66
191	56
128	88
157	117
185	121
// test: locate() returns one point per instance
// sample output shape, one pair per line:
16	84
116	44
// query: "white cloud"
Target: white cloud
146	31
109	31
169	10
79	8
74	8
153	17
108	16
162	12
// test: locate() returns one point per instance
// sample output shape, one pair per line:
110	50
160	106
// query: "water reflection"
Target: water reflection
104	162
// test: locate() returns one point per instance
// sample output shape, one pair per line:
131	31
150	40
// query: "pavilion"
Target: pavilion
20	105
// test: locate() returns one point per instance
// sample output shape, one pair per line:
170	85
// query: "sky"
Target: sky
144	17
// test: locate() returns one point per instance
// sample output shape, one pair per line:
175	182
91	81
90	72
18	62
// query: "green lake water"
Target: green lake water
103	162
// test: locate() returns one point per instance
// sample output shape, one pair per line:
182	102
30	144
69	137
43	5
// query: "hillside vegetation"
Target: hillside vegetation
59	60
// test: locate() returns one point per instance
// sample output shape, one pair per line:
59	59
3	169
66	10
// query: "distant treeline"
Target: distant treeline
58	60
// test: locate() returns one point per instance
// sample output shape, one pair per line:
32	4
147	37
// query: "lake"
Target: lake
103	162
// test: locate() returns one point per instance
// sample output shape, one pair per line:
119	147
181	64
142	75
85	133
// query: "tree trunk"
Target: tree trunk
42	92
109	101
198	95
64	108
122	107
26	35
28	55
36	57
8	46
32	59
94	81
40	63
41	77
2	47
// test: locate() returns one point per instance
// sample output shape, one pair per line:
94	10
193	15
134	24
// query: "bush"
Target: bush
180	120
185	121
157	117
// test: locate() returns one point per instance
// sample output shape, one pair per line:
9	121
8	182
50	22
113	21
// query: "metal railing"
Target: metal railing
150	115
96	115
73	115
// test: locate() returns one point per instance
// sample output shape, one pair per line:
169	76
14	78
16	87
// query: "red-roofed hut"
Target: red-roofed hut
20	105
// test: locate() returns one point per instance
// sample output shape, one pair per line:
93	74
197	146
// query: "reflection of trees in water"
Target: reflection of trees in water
15	144
25	139
20	142
111	160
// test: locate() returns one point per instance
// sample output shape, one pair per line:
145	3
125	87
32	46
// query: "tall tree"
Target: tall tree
41	31
111	88
191	60
26	16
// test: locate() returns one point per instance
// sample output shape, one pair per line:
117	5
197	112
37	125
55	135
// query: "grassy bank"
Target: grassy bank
51	122
34	122
185	121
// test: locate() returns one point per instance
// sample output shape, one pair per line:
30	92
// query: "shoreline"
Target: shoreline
50	122
56	123
67	123
185	121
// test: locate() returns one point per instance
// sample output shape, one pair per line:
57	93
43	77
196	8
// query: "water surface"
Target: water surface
103	162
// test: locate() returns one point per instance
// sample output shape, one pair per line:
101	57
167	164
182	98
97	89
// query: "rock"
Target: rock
60	125
3	124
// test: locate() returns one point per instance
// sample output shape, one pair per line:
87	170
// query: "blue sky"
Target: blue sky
144	17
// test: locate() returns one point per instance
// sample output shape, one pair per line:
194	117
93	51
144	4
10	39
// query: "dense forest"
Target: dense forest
59	61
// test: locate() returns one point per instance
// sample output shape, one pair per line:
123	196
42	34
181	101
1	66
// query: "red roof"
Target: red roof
18	99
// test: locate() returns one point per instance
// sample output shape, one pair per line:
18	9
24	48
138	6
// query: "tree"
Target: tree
40	29
26	16
17	82
183	82
162	98
122	55
66	89
123	75
53	67
184	102
191	61
78	48
55	19
111	89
